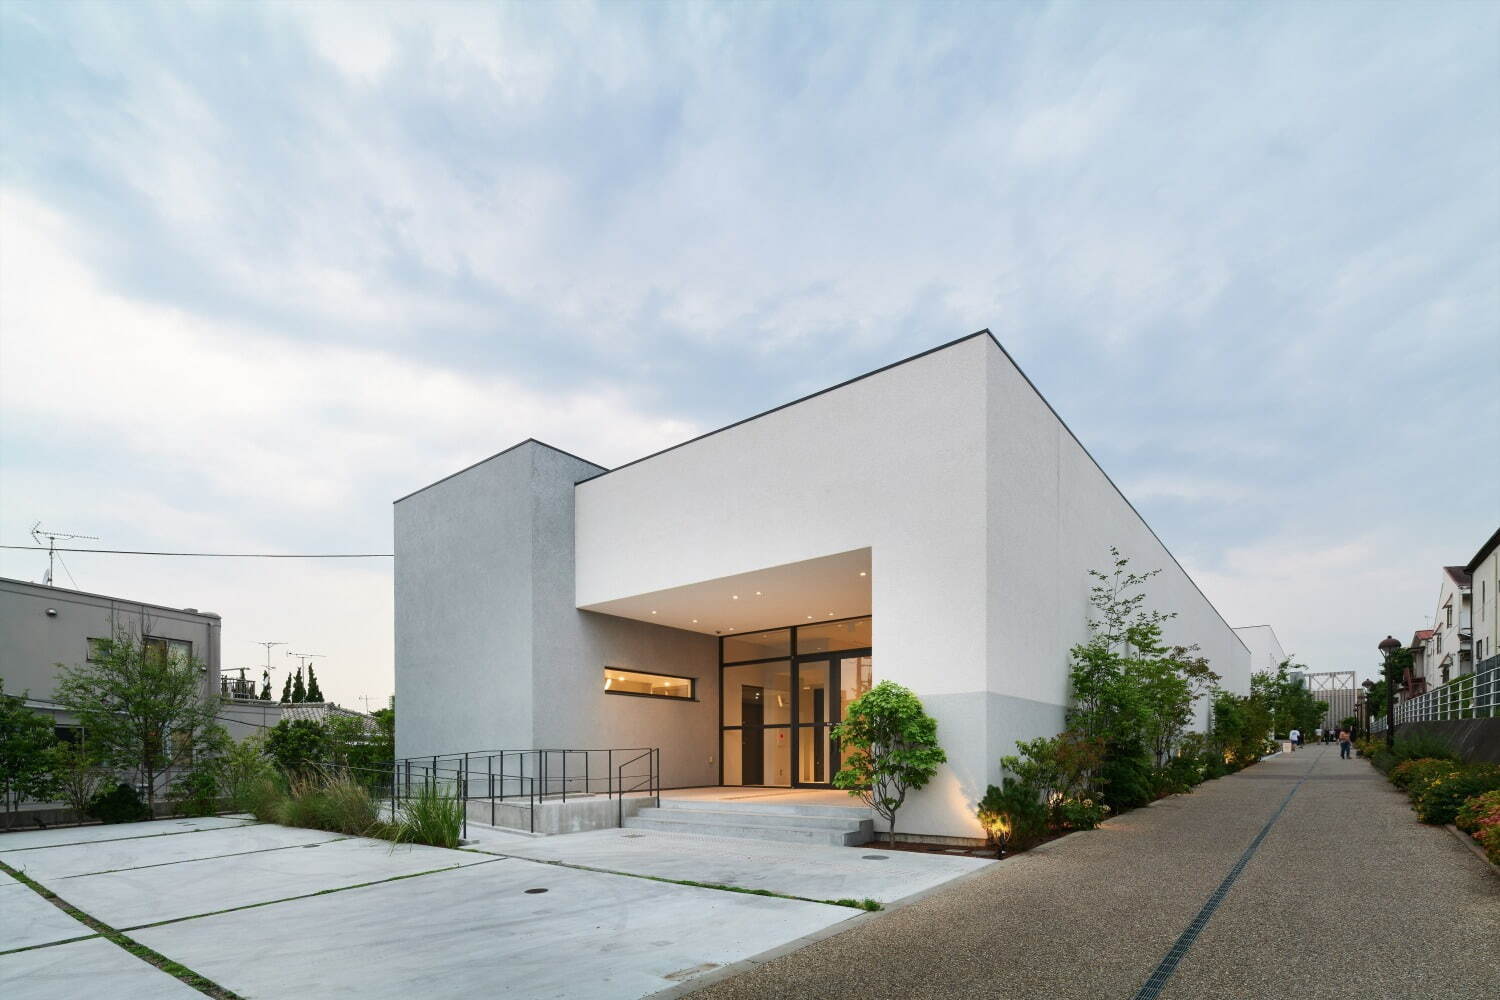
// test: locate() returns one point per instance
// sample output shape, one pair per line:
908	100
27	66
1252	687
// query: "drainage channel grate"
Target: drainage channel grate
874	857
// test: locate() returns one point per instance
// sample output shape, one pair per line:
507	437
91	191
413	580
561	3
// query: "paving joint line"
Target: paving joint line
211	857
1159	977
116	840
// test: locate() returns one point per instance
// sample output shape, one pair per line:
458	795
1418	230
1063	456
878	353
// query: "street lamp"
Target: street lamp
1389	645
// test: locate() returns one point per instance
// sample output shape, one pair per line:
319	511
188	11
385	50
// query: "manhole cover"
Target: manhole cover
533	892
632	836
875	857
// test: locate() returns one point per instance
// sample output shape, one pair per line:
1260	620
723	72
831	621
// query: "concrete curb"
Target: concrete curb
1469	842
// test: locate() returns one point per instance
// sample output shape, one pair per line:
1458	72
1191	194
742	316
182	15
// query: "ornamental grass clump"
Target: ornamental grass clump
430	816
330	800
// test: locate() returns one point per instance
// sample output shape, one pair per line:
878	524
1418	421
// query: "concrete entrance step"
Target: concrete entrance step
754	825
853	811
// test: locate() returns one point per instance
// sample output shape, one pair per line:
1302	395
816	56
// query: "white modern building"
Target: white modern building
931	523
1265	649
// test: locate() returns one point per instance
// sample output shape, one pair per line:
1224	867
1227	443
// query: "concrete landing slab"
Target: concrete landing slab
86	968
809	870
24	839
47	864
476	931
146	895
27	920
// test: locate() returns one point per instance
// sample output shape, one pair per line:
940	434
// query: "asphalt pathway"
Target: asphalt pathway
1345	893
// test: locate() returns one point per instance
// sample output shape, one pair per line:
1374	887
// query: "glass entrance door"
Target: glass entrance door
814	717
825	686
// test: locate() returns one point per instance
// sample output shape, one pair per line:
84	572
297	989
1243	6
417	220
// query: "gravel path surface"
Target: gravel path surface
1347	893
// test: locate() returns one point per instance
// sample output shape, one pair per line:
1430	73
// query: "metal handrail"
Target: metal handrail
533	775
1473	695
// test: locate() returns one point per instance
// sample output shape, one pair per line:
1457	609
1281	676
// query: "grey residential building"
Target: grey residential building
42	627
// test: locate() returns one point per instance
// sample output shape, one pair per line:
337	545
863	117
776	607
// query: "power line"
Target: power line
215	555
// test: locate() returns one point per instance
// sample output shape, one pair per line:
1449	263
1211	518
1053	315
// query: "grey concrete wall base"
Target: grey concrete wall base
1474	740
555	817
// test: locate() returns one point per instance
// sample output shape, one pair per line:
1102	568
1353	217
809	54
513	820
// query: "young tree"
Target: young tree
142	707
314	693
891	747
76	774
299	690
25	738
297	744
286	691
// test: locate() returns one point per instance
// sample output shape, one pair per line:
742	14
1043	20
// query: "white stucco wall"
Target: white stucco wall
1266	653
982	514
1485	606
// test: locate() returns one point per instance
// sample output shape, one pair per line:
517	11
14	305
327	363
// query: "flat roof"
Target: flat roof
43	589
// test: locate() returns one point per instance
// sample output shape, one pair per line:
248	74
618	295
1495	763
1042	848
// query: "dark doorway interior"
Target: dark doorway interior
752	742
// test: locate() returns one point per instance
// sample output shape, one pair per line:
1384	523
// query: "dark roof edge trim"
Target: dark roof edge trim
800	399
496	455
1483	553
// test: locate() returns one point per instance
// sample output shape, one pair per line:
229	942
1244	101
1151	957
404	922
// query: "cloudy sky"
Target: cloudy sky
264	268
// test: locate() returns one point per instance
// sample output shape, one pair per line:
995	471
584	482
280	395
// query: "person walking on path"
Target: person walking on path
1295	738
1344	744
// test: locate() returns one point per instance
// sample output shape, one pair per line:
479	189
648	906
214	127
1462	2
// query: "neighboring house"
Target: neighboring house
42	626
322	711
1484	590
1414	678
930	523
1266	653
1450	650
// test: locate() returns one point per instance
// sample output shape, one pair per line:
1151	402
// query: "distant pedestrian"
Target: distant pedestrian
1318	734
1295	738
1344	743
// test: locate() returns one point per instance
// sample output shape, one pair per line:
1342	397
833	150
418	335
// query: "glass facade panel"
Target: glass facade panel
813	755
757	695
757	756
652	685
854	634
856	676
757	645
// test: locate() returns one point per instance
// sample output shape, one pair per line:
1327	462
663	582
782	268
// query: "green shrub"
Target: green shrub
1125	777
1420	747
1015	808
297	745
1440	799
1081	814
242	768
1483	809
431	816
1418	771
120	804
196	793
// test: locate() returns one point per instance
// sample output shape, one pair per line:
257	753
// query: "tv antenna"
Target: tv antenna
52	537
268	646
304	657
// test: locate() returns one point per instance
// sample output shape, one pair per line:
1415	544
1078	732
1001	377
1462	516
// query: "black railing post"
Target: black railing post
586	755
565	775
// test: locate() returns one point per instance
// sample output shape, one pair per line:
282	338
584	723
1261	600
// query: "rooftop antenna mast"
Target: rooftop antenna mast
268	646
304	657
52	537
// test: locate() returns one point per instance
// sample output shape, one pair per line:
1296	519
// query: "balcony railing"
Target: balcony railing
1472	696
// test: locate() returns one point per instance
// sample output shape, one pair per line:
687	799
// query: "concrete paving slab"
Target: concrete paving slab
95	967
146	895
27	920
812	871
48	864
6	881
55	836
478	931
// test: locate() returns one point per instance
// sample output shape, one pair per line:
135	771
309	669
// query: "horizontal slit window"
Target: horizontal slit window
644	685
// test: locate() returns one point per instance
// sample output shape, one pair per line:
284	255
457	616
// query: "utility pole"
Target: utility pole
39	533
